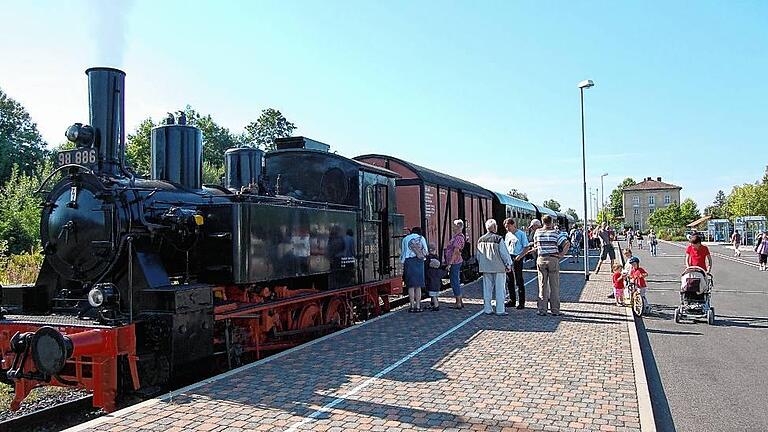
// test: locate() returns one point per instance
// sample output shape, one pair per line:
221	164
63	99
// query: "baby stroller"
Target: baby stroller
695	296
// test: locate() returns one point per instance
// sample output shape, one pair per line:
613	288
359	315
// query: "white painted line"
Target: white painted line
647	420
719	255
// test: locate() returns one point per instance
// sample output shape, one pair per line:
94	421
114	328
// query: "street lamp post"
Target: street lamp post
584	85
597	206
602	197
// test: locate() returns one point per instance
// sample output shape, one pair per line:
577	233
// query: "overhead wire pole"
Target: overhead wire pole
597	207
582	85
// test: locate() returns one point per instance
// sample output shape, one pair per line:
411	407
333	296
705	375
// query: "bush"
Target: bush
212	174
20	268
20	210
671	234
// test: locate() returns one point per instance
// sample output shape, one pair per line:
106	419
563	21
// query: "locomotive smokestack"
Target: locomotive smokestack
106	100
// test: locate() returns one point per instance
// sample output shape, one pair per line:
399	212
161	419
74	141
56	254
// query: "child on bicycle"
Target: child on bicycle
618	284
627	266
637	276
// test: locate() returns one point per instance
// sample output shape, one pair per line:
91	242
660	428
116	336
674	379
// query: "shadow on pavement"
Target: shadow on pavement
674	332
659	403
741	321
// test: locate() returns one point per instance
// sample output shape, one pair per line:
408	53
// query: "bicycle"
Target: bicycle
636	300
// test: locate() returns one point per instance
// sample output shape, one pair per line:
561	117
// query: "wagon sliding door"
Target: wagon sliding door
431	219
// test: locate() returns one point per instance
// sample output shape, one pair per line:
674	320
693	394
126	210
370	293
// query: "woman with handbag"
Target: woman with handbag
452	259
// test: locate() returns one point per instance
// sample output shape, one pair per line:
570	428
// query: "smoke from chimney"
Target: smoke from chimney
110	30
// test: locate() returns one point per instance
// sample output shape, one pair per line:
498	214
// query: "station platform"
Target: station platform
448	370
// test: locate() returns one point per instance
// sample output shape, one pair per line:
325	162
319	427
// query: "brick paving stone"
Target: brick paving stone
520	372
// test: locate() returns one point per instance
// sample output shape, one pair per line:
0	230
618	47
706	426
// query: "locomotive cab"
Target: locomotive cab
304	168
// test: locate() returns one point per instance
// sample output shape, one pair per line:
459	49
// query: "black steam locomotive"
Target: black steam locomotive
144	276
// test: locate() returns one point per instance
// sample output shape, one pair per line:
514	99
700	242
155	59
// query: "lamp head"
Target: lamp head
586	84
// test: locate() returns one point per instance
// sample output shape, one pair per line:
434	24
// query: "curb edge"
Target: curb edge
644	406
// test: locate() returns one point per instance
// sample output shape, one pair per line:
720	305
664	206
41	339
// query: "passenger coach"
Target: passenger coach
505	206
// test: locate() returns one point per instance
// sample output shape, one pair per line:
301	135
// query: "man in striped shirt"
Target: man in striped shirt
551	245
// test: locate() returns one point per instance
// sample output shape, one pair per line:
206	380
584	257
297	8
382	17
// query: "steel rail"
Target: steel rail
53	413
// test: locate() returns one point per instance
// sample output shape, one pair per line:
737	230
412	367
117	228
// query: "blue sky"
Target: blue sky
481	90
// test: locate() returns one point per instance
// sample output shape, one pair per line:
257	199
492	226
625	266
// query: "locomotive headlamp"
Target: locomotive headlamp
102	294
80	134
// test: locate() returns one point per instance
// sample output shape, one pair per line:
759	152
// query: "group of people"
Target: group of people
761	247
630	273
422	267
500	260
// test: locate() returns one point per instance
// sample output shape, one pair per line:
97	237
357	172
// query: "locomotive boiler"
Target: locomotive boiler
146	277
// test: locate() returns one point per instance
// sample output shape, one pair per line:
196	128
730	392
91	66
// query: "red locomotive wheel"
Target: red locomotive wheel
336	313
310	317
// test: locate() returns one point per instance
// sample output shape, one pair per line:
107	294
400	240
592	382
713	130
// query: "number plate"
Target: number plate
84	156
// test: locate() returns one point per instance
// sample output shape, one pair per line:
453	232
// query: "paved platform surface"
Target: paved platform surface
701	377
446	370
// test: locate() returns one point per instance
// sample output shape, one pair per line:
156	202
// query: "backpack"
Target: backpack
415	246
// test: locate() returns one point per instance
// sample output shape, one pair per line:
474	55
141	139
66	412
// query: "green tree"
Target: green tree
718	209
21	145
689	211
216	139
20	209
138	150
573	214
607	216
551	204
667	217
518	194
212	174
617	196
270	125
748	200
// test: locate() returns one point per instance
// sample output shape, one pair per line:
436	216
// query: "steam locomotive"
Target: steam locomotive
143	278
146	278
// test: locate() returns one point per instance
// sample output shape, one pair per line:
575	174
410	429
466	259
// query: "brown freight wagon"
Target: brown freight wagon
433	200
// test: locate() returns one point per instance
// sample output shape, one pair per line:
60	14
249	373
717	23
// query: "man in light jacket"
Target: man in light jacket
494	261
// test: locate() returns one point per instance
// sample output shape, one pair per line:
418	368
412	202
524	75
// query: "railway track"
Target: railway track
53	417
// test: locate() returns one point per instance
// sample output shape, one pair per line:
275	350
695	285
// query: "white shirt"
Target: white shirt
511	240
406	252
